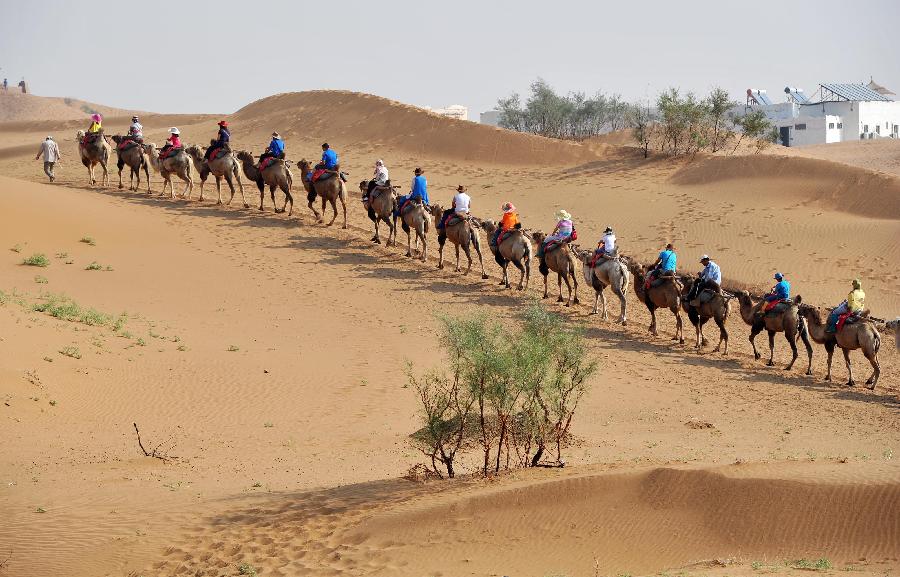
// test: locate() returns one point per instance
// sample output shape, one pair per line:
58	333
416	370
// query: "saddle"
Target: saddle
453	220
378	191
851	318
409	205
321	174
778	307
266	163
603	256
504	235
91	137
170	152
653	282
218	152
127	144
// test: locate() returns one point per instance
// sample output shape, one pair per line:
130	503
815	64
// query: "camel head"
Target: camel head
79	135
437	210
194	151
363	186
117	138
303	165
538	236
489	226
245	156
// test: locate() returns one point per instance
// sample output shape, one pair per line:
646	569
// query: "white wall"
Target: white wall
883	115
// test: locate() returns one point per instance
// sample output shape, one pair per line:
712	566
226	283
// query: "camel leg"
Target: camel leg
829	348
376	239
679	325
272	194
120	165
596	302
333	208
522	276
804	336
456	248
421	234
440	263
872	355
409	244
850	382
230	183
559	281
344	208
652	328
723	335
792	340
287	197
771	362
698	328
188	186
505	279
546	291
623	312
755	330
480	261
105	173
147	174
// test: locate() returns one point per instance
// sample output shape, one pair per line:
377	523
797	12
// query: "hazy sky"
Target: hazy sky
191	56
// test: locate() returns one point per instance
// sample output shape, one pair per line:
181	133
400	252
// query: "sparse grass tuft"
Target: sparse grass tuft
89	240
48	359
64	308
232	349
817	565
182	348
94	266
70	351
52	403
141	342
268	425
62	255
247	569
40	510
37	259
17	248
41	279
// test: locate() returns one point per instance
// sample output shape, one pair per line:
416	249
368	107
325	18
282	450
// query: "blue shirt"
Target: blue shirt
782	290
224	136
329	159
667	260
420	188
276	147
712	272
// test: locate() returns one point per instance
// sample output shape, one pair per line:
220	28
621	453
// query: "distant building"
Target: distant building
835	113
490	117
457	111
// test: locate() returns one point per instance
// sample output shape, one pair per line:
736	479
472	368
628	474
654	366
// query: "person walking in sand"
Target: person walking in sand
50	151
5	85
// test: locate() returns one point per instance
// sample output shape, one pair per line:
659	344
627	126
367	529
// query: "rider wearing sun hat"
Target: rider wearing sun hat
275	148
174	141
221	141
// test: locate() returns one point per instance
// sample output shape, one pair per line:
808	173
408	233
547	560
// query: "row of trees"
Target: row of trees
686	124
510	393
679	123
574	116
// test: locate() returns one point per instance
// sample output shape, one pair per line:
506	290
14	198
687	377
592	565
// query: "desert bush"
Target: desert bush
511	391
37	259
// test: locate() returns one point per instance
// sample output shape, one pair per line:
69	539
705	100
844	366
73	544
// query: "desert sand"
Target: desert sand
265	352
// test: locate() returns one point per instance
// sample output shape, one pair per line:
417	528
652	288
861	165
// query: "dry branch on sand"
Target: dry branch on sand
160	451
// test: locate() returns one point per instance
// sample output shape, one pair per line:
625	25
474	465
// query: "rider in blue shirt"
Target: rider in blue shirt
781	290
665	263
275	149
419	189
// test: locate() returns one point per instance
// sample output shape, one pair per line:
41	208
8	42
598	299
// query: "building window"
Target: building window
865	128
878	129
831	125
840	124
800	127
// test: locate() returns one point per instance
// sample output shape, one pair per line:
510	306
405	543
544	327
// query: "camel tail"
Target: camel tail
877	342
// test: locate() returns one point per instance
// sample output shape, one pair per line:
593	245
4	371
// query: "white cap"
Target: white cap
49	137
174	130
704	257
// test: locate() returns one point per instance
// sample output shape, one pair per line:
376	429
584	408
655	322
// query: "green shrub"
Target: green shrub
37	259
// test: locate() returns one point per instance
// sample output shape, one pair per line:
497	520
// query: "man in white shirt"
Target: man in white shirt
50	151
136	131
709	278
460	206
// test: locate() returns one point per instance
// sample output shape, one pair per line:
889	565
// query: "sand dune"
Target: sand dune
18	107
270	350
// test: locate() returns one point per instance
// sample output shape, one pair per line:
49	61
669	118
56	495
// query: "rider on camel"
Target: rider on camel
710	278
275	148
135	131
330	161
221	141
562	233
665	264
855	304
508	221
606	247
172	143
94	130
459	206
780	292
419	189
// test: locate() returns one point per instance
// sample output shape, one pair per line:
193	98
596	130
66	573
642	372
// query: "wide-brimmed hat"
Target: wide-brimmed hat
460	188
134	119
276	135
778	276
563	214
704	257
508	207
608	230
379	162
49	137
419	170
174	130
223	123
96	117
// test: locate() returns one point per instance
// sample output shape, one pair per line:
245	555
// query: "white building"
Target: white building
490	117
837	112
457	111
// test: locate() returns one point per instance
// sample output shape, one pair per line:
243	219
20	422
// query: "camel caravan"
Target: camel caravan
658	286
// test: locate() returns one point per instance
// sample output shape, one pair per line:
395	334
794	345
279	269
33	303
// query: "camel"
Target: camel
667	295
562	262
859	335
276	175
179	164
331	190
609	272
95	152
133	156
516	249
717	309
414	221
789	322
222	166
382	201
463	235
